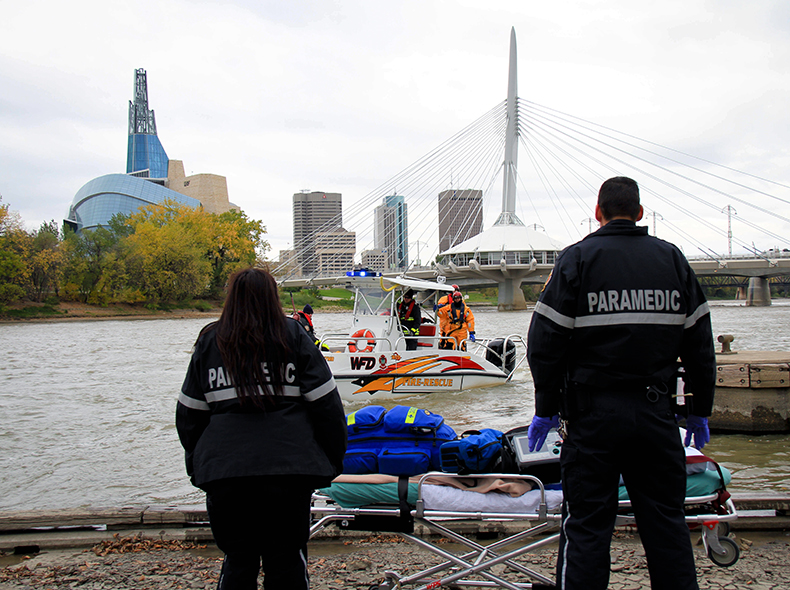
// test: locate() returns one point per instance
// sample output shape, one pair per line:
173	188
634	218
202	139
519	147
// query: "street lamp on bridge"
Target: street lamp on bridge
730	210
417	261
654	214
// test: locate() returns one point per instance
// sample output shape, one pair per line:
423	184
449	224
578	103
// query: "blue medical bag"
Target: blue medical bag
401	441
477	451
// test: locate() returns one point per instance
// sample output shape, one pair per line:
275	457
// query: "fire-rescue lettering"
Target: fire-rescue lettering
633	300
428	382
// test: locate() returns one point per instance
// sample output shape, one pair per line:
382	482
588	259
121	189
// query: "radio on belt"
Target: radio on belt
548	453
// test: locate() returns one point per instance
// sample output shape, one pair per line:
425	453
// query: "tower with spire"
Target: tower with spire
145	155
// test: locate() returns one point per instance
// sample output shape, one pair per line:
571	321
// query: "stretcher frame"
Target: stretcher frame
709	512
476	561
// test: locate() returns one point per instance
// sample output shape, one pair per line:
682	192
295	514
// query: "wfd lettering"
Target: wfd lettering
634	300
218	377
362	362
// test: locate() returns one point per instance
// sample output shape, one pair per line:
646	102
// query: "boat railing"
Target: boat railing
424	342
343	342
332	341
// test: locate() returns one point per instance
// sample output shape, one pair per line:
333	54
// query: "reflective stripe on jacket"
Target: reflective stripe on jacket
618	310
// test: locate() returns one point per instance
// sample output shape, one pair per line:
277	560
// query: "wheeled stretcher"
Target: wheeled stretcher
436	510
398	505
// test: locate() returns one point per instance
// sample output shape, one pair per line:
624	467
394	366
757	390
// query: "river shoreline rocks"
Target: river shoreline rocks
135	564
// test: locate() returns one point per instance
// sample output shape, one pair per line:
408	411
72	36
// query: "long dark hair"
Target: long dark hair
251	335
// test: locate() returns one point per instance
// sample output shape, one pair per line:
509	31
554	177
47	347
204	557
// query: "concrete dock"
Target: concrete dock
752	392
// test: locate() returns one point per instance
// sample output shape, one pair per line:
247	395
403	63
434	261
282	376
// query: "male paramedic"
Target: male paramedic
618	311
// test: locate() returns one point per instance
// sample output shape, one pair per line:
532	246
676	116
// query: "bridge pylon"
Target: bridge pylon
509	252
758	294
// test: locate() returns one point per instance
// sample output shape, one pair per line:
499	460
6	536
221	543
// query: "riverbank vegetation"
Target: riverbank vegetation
161	255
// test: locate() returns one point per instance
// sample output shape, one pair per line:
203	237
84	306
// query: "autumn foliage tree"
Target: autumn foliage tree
46	262
166	252
176	252
14	250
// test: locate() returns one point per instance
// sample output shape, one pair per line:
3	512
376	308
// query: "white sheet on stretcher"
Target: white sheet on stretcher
447	498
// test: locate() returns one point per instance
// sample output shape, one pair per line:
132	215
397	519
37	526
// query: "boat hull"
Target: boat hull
393	374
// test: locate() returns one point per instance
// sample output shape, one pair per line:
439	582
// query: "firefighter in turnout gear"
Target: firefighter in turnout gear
618	311
410	318
457	321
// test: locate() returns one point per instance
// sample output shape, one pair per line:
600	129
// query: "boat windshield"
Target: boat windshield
372	301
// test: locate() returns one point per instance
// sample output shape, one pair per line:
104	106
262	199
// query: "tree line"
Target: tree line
166	252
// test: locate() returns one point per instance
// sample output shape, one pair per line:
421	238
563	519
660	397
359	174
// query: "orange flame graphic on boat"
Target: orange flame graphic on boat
394	375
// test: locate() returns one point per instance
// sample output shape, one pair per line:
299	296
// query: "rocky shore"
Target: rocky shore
133	563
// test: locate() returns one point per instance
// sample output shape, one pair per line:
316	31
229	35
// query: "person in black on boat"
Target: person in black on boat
305	318
410	318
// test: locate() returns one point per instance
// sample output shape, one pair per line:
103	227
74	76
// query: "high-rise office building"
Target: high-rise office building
373	260
391	231
314	212
334	252
460	216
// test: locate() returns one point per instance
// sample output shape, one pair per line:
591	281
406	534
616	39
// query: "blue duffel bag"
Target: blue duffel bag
477	451
401	441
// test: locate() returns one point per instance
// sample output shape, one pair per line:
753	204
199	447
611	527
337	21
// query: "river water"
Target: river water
87	407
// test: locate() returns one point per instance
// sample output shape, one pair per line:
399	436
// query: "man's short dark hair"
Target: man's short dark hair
619	197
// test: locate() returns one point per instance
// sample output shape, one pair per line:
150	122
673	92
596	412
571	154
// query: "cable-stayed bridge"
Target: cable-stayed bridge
728	222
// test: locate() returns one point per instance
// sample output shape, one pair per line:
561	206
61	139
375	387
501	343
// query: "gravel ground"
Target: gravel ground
134	564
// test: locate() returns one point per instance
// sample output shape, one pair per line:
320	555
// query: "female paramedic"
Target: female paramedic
262	425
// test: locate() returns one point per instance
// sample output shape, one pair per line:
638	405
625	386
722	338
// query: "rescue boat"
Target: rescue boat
371	361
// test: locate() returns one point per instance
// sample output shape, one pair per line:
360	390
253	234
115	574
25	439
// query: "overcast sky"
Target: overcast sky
280	96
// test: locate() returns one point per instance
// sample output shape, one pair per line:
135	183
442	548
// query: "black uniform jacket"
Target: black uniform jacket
618	310
410	316
303	435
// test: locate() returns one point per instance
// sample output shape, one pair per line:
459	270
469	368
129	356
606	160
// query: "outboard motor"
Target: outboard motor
494	355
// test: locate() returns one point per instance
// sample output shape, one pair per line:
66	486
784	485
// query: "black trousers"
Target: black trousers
630	434
257	522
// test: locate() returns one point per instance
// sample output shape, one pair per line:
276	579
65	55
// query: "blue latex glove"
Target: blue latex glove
472	336
435	307
699	428
538	429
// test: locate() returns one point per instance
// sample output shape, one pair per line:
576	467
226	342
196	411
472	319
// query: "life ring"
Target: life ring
352	345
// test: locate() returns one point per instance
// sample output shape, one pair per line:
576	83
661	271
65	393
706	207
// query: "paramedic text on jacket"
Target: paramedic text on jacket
619	310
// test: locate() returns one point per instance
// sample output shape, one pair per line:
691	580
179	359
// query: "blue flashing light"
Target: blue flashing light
362	272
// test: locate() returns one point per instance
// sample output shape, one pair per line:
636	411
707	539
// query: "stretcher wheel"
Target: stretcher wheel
730	555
